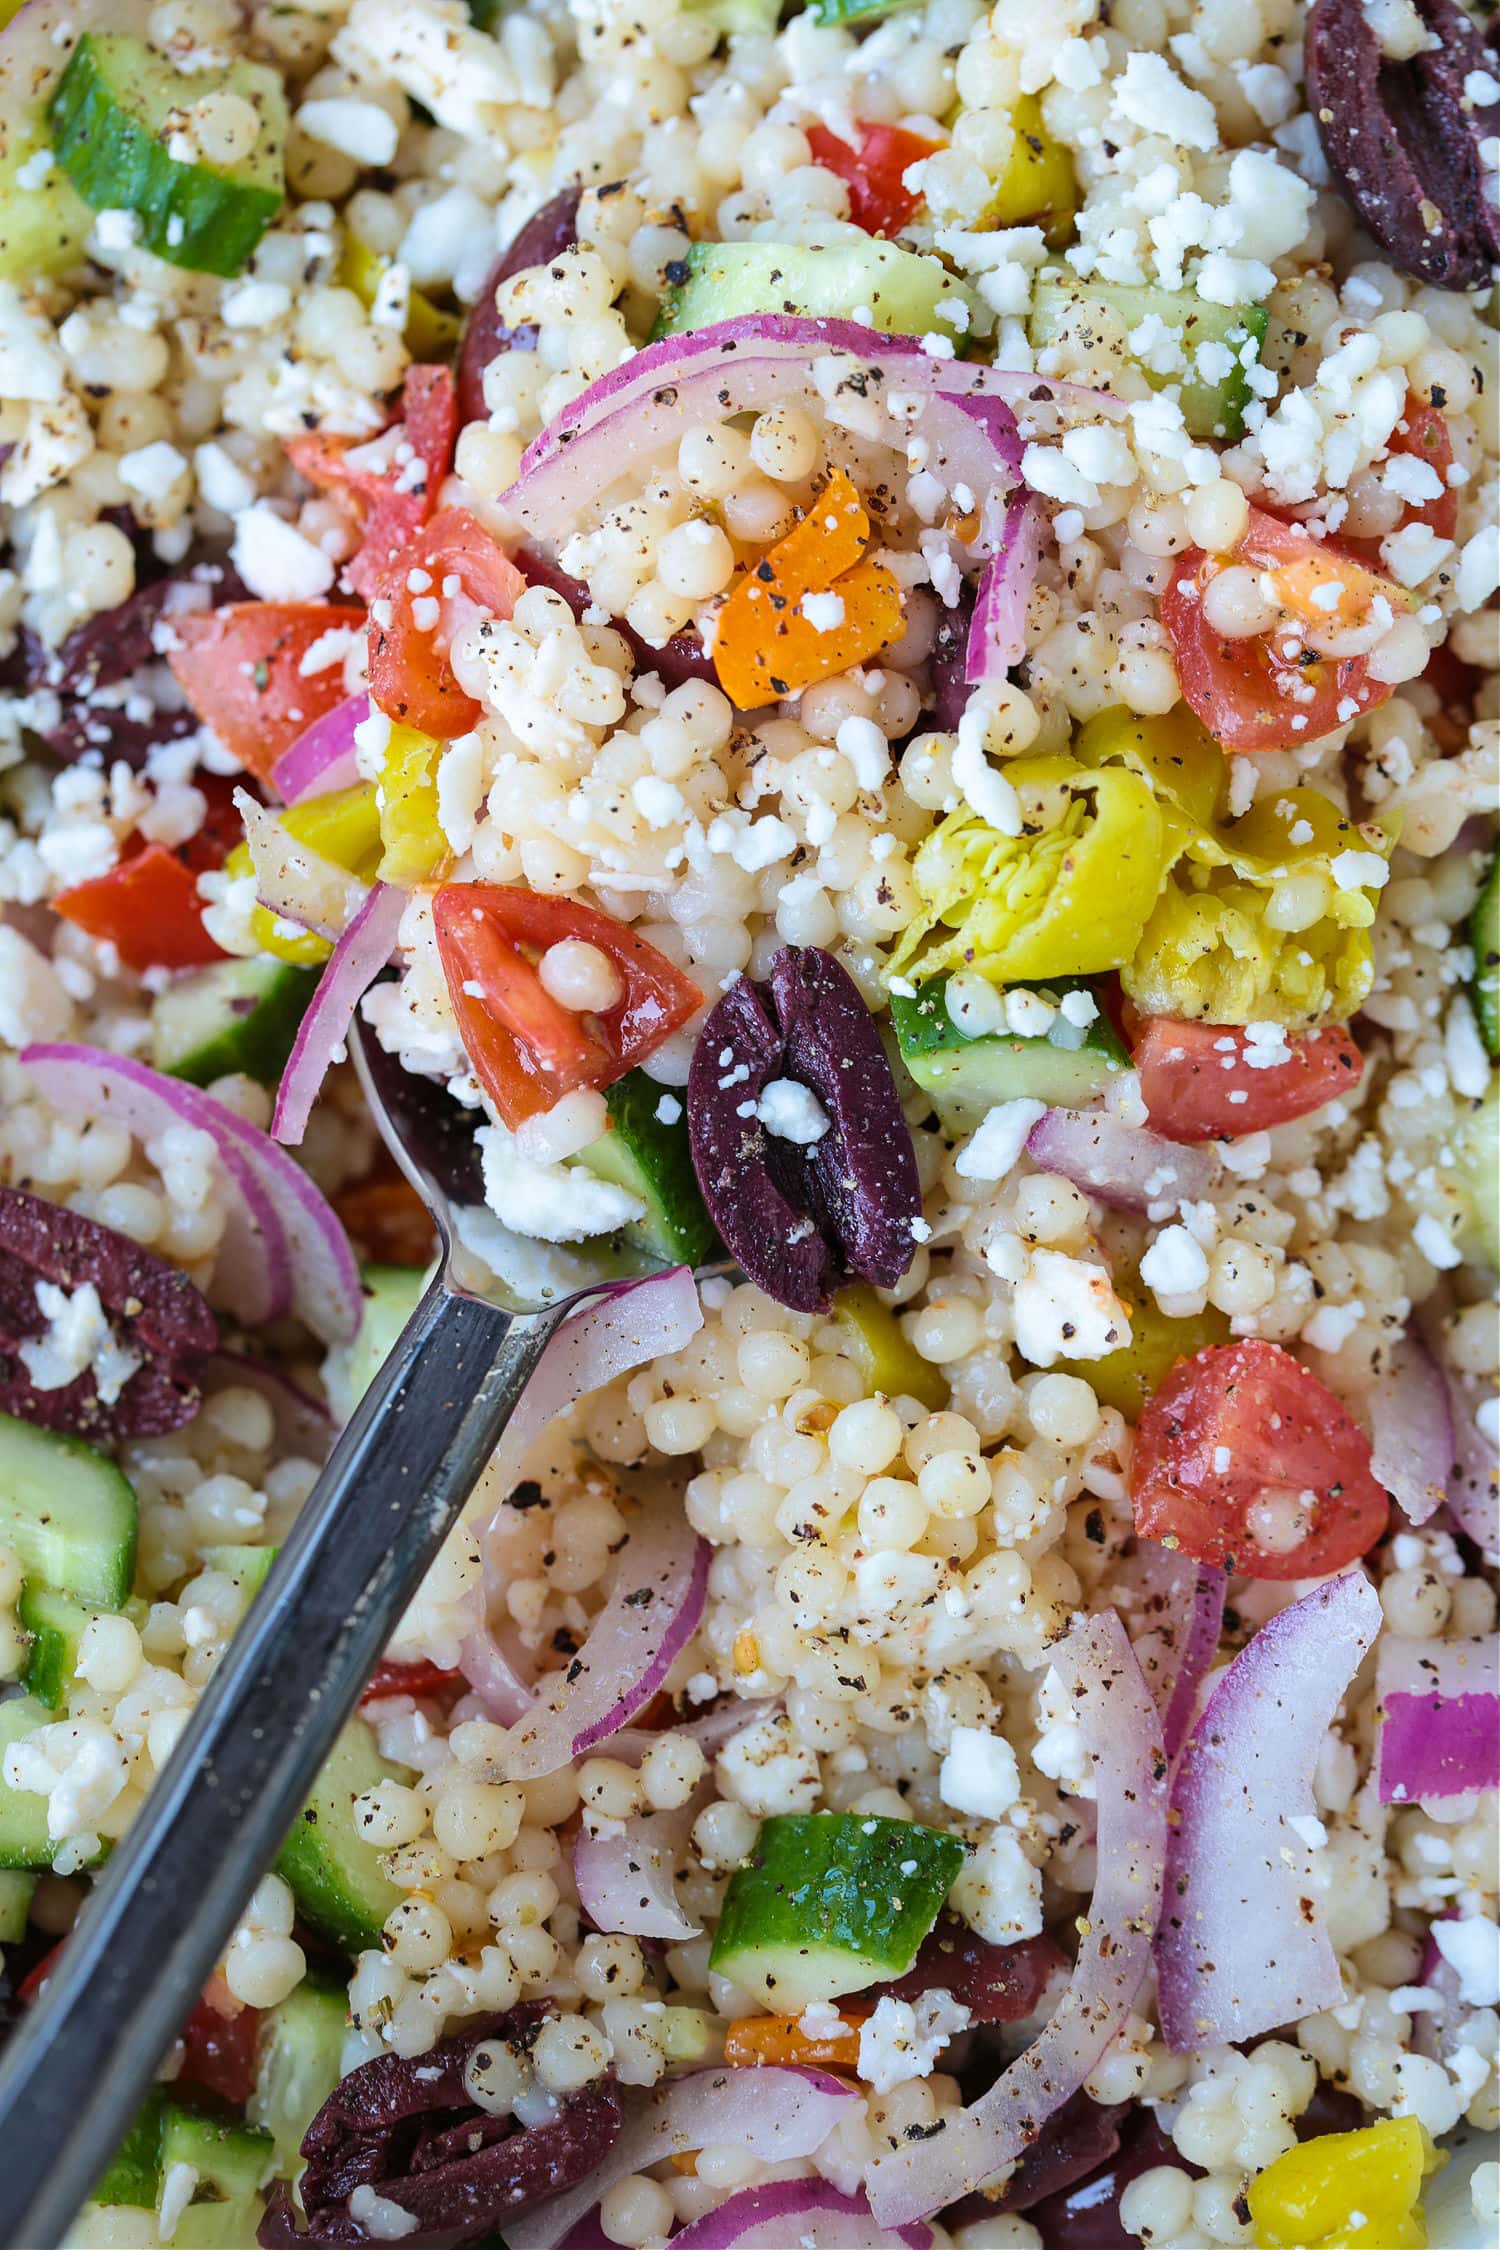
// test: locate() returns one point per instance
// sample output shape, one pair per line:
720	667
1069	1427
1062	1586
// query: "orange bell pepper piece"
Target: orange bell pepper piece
781	2039
767	646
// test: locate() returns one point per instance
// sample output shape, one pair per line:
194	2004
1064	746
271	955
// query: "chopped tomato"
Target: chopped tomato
1274	690
31	1984
148	908
397	475
1422	435
873	169
222	826
1244	1461
219	2051
411	629
1199	1085
781	2039
241	669
390	1678
527	1049
768	645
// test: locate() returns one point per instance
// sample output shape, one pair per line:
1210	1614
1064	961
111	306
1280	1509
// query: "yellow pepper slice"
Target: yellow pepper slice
1127	1378
431	333
1347	2191
406	793
1038	186
1065	902
343	826
1177	755
886	1361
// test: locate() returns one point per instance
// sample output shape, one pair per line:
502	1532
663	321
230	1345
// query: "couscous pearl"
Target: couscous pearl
580	977
636	2212
1235	604
568	2053
261	1971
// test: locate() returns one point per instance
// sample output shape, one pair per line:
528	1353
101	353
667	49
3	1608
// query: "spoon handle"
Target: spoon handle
157	1920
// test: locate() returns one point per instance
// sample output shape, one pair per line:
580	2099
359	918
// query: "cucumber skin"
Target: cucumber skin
831	1886
676	1226
134	2172
1484	937
965	1078
334	1874
1209	410
16	1887
115	162
56	1624
103	1575
259	1044
770	278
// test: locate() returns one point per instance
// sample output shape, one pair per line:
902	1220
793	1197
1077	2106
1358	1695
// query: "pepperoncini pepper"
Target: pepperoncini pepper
431	333
406	794
1038	186
1347	2191
343	826
1127	1378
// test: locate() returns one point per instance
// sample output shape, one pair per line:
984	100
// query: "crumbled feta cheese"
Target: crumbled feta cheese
274	559
998	1891
549	1202
1174	1265
903	2038
1149	94
792	1112
979	1774
991	1151
78	1339
1471	1946
1435	1243
358	129
382	2220
1066	1308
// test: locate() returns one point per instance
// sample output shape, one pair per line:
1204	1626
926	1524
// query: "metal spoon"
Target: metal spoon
157	1920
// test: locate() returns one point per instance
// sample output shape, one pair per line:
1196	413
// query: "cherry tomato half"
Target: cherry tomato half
872	169
1246	1462
410	677
1198	1085
148	908
397	475
391	1678
218	2051
1422	435
240	668
527	1049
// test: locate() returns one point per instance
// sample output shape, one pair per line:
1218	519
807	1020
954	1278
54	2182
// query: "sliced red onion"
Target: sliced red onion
1120	1726
355	962
776	2115
283	1245
1242	1948
1124	1165
1411	1426
253	1270
812	2214
1438	1718
1183	1648
500	1683
292	880
323	758
303	1423
1474	1479
625	1880
997	631
650	1614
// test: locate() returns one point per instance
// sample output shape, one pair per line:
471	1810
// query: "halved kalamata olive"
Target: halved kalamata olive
800	1216
546	233
406	2127
154	1311
1401	134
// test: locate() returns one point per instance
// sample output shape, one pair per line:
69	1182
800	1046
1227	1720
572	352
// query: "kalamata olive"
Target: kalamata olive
681	658
91	671
950	689
546	233
842	1198
996	1983
1085	2215
1402	135
155	1311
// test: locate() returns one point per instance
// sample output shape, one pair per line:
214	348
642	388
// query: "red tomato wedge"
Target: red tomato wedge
872	169
397	475
411	629
527	1049
218	2051
1422	435
390	1678
1198	1085
148	907
1246	1462
1272	691
240	667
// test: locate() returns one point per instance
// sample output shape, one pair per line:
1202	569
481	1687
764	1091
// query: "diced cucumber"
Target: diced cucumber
1477	1154
249	1567
134	2174
392	1294
740	18
236	1016
1484	937
301	2043
67	1512
24	1841
886	1361
335	1875
965	1078
16	1887
897	291
648	1154
857	11
119	112
56	1624
830	1902
44	221
1098	326
232	2163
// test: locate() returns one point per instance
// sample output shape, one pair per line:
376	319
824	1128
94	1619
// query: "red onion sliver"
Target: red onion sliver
650	1614
813	2214
776	2115
1120	1726
997	630
1438	1718
625	1880
1242	1948
323	758
503	1689
303	1423
1412	1430
1124	1165
253	1269
311	1261
355	962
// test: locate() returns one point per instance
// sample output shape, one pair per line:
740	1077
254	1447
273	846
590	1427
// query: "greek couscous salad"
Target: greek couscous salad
868	632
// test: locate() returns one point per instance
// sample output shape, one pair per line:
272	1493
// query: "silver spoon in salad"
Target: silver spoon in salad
159	1916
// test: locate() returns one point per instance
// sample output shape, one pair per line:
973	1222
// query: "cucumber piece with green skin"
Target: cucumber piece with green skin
298	2066
24	1841
16	1888
134	2174
857	11
648	1154
249	1567
903	293
965	1078
1484	937
119	109
1099	319
67	1512
1476	1151
830	1902
236	1016
44	221
392	1294
232	2162
335	1874
56	1623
